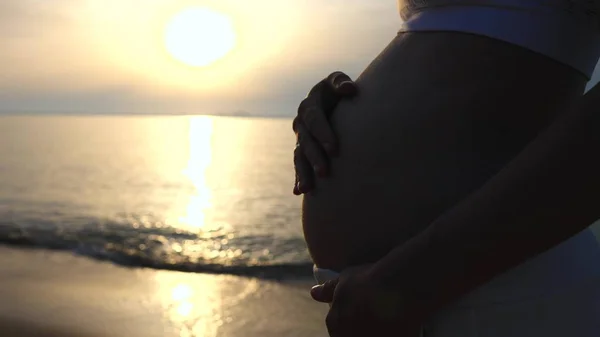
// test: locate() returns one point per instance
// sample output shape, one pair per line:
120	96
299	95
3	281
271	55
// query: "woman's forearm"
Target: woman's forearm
548	193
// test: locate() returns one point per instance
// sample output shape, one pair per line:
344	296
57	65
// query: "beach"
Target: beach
151	226
46	293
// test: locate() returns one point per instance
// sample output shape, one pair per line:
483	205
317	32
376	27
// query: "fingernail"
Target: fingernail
347	88
303	188
316	291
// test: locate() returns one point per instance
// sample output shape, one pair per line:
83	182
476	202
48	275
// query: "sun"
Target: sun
199	36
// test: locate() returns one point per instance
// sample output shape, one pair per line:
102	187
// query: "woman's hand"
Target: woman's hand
315	140
360	307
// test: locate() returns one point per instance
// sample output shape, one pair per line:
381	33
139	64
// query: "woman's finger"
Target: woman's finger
312	151
324	292
341	319
296	190
312	114
342	84
304	181
316	109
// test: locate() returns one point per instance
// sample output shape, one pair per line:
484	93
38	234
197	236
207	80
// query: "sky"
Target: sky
110	56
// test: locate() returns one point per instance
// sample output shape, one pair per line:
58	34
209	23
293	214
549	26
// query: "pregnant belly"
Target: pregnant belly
419	138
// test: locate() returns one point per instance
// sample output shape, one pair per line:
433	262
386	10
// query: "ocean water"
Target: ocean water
188	193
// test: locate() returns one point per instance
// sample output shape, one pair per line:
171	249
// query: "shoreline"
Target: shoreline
57	294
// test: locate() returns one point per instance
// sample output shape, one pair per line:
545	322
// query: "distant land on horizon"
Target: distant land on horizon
234	113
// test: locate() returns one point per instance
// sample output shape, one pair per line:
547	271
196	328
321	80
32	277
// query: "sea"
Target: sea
187	193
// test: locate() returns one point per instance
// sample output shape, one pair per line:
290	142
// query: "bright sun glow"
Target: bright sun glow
199	36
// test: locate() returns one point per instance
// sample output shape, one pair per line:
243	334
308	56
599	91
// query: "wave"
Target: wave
219	250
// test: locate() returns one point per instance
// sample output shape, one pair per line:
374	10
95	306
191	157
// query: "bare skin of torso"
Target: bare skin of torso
437	115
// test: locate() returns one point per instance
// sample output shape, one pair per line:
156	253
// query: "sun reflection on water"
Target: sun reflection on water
200	156
182	295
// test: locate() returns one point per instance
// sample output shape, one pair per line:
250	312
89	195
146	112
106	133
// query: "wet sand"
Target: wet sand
54	294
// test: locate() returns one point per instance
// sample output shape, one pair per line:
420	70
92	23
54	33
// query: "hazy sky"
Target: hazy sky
102	56
110	56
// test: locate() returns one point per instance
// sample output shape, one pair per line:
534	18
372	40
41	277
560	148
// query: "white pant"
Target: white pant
555	294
